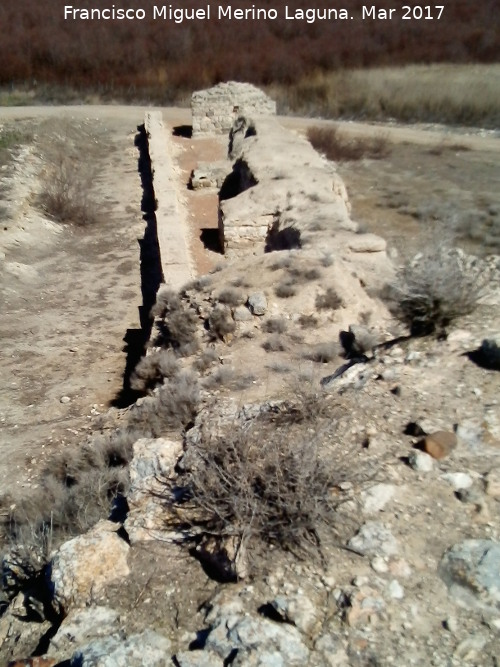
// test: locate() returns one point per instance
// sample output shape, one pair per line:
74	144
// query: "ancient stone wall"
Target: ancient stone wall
215	109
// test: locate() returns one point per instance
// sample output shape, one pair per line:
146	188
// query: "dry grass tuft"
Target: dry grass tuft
285	290
152	369
438	286
330	300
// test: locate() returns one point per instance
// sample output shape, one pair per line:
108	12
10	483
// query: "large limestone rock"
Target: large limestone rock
147	648
471	569
152	465
83	566
82	626
215	109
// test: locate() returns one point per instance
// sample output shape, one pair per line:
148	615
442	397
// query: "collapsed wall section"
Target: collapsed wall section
214	110
286	184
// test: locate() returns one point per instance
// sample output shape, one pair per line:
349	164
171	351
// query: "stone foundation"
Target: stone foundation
215	109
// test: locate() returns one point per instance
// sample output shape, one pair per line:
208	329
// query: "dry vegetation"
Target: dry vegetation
70	170
439	93
339	148
311	67
281	494
434	289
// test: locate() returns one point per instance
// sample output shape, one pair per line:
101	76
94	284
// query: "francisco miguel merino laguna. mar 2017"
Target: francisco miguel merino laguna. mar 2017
253	13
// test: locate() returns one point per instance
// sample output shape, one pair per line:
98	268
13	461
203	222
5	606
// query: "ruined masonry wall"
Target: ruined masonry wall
215	109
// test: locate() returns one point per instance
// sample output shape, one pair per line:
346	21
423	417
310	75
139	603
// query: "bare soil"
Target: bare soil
72	295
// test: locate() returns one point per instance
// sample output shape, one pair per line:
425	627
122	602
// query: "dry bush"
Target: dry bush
226	376
152	369
281	263
173	406
274	344
434	289
70	155
231	296
270	481
76	489
66	193
303	275
329	300
275	325
167	300
308	321
221	322
207	358
285	290
179	323
339	148
322	352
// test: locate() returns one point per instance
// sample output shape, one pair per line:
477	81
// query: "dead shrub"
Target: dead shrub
322	353
166	301
208	357
330	300
66	192
173	406
304	275
274	344
434	289
76	489
221	322
68	177
231	296
266	483
153	369
285	290
226	376
339	148
308	321
275	325
178	323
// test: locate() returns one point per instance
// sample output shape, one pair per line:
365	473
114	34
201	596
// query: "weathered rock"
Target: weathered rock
83	566
331	651
299	610
376	498
358	340
439	444
80	627
210	175
242	314
362	605
395	590
199	659
492	483
374	539
20	565
458	480
257	303
147	648
258	641
421	461
471	570
17	637
242	128
152	465
367	243
34	662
